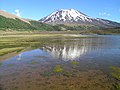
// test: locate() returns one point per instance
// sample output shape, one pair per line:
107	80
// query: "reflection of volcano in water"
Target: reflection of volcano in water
74	49
66	52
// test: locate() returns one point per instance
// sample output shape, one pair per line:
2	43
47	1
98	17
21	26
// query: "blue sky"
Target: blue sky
36	9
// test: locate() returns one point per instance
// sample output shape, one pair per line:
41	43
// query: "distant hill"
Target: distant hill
12	16
11	21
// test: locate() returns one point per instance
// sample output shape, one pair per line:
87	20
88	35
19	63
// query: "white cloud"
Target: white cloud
4	10
104	14
17	11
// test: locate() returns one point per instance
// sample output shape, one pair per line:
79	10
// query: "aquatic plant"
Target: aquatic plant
74	63
0	63
116	72
116	75
33	62
10	65
58	69
118	87
47	73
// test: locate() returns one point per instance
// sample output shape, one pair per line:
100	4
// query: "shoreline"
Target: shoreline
57	32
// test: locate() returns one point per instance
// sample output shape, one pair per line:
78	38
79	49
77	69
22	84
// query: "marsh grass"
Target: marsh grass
116	75
116	69
116	72
0	63
74	62
33	62
58	69
12	43
9	50
10	65
47	74
17	43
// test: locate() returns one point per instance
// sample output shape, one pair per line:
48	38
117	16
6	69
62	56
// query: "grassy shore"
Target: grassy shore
15	41
30	32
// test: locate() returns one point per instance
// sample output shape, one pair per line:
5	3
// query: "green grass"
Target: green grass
116	69
0	63
116	72
118	87
9	50
57	69
33	62
10	65
116	75
74	63
6	23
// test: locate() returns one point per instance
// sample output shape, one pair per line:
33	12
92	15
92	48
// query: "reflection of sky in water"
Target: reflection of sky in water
27	56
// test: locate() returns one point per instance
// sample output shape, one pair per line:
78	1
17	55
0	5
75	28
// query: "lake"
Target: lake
73	62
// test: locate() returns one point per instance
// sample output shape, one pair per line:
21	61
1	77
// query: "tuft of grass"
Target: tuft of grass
116	72
74	63
116	69
58	69
116	75
47	74
118	87
10	65
0	63
33	62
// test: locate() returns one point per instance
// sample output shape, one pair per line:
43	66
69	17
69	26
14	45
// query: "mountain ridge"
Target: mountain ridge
64	16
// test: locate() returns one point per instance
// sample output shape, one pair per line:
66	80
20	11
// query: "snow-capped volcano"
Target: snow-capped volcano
69	16
66	15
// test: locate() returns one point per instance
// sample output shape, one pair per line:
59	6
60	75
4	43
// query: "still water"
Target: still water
83	62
